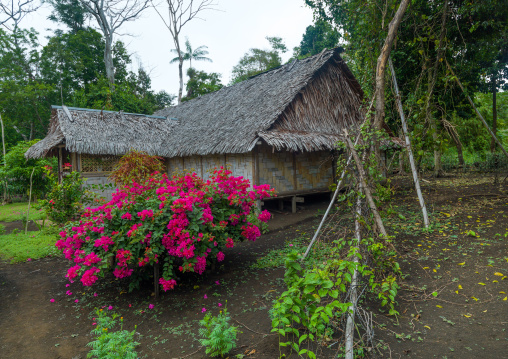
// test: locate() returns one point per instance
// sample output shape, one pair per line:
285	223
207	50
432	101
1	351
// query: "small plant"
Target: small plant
109	344
136	166
219	336
2	229
65	200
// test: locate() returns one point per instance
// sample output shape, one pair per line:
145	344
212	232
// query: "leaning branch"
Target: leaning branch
476	110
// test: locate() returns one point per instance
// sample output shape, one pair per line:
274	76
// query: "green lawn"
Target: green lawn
15	211
19	247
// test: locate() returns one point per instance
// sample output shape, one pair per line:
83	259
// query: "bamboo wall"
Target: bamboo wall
239	164
293	173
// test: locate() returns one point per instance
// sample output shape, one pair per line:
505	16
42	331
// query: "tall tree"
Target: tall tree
72	13
201	83
317	37
15	10
179	13
198	54
256	61
110	16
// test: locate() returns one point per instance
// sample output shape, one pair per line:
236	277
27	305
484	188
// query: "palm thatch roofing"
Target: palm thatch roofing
300	106
99	132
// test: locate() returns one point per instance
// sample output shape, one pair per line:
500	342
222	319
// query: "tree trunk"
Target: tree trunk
180	73
494	114
438	170
458	144
108	61
381	70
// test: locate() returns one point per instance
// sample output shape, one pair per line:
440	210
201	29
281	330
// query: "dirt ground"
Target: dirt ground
452	303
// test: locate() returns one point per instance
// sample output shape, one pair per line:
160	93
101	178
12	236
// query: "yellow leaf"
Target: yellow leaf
426	326
476	299
505	298
425	267
469	217
481	283
495	281
461	264
460	287
485	311
504	278
439	306
467	316
435	271
457	291
502	292
499	274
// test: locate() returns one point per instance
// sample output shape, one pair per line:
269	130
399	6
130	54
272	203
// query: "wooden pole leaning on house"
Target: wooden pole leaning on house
363	185
408	144
350	324
334	198
476	110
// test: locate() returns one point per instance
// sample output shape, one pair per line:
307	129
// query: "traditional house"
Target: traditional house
279	127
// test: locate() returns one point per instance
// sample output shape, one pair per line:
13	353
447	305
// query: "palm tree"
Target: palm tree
198	54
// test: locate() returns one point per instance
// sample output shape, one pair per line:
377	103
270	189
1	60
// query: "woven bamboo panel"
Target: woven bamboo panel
98	163
314	170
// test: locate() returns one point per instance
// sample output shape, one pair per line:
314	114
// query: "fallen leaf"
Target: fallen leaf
461	264
467	316
476	299
460	287
426	326
481	283
425	267
439	306
505	298
499	274
495	281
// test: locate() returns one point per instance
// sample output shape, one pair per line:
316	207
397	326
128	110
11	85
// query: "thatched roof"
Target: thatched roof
300	106
303	106
104	132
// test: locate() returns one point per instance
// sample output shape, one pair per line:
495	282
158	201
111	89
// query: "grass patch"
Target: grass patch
277	257
18	247
15	211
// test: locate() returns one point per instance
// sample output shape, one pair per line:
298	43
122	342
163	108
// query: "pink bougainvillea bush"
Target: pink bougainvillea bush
183	223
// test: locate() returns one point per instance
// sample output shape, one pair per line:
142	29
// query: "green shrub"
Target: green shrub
110	344
16	173
65	201
219	337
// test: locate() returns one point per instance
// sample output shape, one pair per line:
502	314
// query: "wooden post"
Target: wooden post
350	325
29	201
156	286
408	144
477	112
5	163
363	185
293	204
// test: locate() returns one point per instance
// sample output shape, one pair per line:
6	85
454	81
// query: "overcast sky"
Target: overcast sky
237	26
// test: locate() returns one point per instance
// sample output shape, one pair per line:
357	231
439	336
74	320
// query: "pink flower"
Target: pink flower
264	216
127	216
167	284
220	305
150	306
217	282
73	272
110	307
95	294
94	323
52	300
291	245
28	259
68	292
67	285
76	301
203	310
206	297
89	276
220	256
